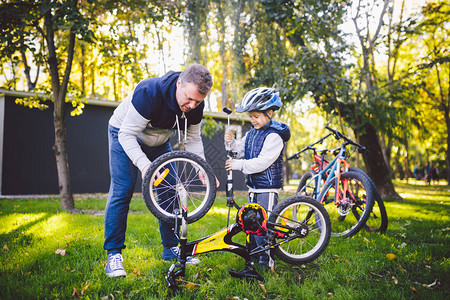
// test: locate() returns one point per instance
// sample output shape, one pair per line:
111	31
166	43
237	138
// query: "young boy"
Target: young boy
261	149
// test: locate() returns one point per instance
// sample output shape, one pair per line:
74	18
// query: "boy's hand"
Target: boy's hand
229	164
229	137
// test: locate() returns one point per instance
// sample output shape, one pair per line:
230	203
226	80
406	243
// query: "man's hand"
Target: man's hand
203	179
144	170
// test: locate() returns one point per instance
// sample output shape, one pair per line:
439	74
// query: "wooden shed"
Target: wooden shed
27	161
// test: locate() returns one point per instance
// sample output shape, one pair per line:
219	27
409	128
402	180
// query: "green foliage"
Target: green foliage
32	102
431	76
196	25
210	126
409	261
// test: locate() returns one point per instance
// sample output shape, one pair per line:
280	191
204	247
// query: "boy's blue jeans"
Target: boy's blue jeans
123	180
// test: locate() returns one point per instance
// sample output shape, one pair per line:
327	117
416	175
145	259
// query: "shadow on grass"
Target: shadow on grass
17	235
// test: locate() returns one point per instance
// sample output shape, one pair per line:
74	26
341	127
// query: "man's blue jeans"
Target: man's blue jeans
123	180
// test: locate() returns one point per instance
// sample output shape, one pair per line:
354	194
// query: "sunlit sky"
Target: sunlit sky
411	7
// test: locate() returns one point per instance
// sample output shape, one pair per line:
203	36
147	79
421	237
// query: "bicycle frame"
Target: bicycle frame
330	171
222	241
352	191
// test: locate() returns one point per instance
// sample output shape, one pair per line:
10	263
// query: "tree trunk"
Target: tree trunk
222	49
59	96
82	68
445	107
92	72
447	156
376	166
31	84
62	162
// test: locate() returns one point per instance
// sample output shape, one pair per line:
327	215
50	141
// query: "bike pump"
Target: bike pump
230	154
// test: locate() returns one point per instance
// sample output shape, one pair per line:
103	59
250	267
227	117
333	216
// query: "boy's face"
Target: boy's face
259	119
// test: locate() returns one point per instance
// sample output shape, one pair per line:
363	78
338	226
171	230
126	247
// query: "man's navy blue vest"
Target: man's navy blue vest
271	177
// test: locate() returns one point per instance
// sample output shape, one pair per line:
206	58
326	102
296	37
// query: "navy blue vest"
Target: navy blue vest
271	177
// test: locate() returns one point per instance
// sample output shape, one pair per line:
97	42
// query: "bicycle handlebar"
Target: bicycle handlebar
347	140
297	155
309	147
337	135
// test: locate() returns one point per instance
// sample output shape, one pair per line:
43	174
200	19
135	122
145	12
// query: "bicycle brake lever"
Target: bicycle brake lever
335	132
364	150
296	156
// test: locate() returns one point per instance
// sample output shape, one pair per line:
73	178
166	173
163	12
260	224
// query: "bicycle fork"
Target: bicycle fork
173	273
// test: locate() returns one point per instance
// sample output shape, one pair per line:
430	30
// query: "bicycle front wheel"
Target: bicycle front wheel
348	202
175	178
301	228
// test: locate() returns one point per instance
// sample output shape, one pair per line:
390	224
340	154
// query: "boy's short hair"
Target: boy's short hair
198	75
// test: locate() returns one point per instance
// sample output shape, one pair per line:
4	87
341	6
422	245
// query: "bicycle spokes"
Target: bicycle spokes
350	203
175	176
299	229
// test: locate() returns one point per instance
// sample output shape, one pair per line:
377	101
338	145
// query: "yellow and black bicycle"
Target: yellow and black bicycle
180	187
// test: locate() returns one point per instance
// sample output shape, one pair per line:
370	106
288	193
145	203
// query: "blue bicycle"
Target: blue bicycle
346	195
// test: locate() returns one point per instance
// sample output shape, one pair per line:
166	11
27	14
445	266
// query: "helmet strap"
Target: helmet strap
270	120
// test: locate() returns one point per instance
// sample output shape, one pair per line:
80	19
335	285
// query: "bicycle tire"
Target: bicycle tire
297	212
359	198
306	186
177	173
378	218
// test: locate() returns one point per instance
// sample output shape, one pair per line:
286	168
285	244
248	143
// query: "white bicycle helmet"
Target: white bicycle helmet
260	99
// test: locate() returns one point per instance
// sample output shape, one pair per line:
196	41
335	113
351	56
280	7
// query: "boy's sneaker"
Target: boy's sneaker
174	253
114	267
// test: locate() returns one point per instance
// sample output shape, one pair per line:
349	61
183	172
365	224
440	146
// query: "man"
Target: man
138	133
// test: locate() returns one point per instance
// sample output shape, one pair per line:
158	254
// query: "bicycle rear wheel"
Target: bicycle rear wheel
378	219
175	176
348	203
302	229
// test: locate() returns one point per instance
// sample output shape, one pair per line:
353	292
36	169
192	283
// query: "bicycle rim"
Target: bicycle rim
179	175
378	219
348	203
310	229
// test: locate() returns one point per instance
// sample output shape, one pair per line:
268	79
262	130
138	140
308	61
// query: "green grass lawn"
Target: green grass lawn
410	261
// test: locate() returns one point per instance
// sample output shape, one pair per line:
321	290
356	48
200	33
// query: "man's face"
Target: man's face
188	96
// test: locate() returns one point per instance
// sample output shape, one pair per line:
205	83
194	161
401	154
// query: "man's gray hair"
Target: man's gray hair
198	75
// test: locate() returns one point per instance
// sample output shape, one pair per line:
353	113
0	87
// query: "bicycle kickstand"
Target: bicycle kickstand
172	274
249	272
